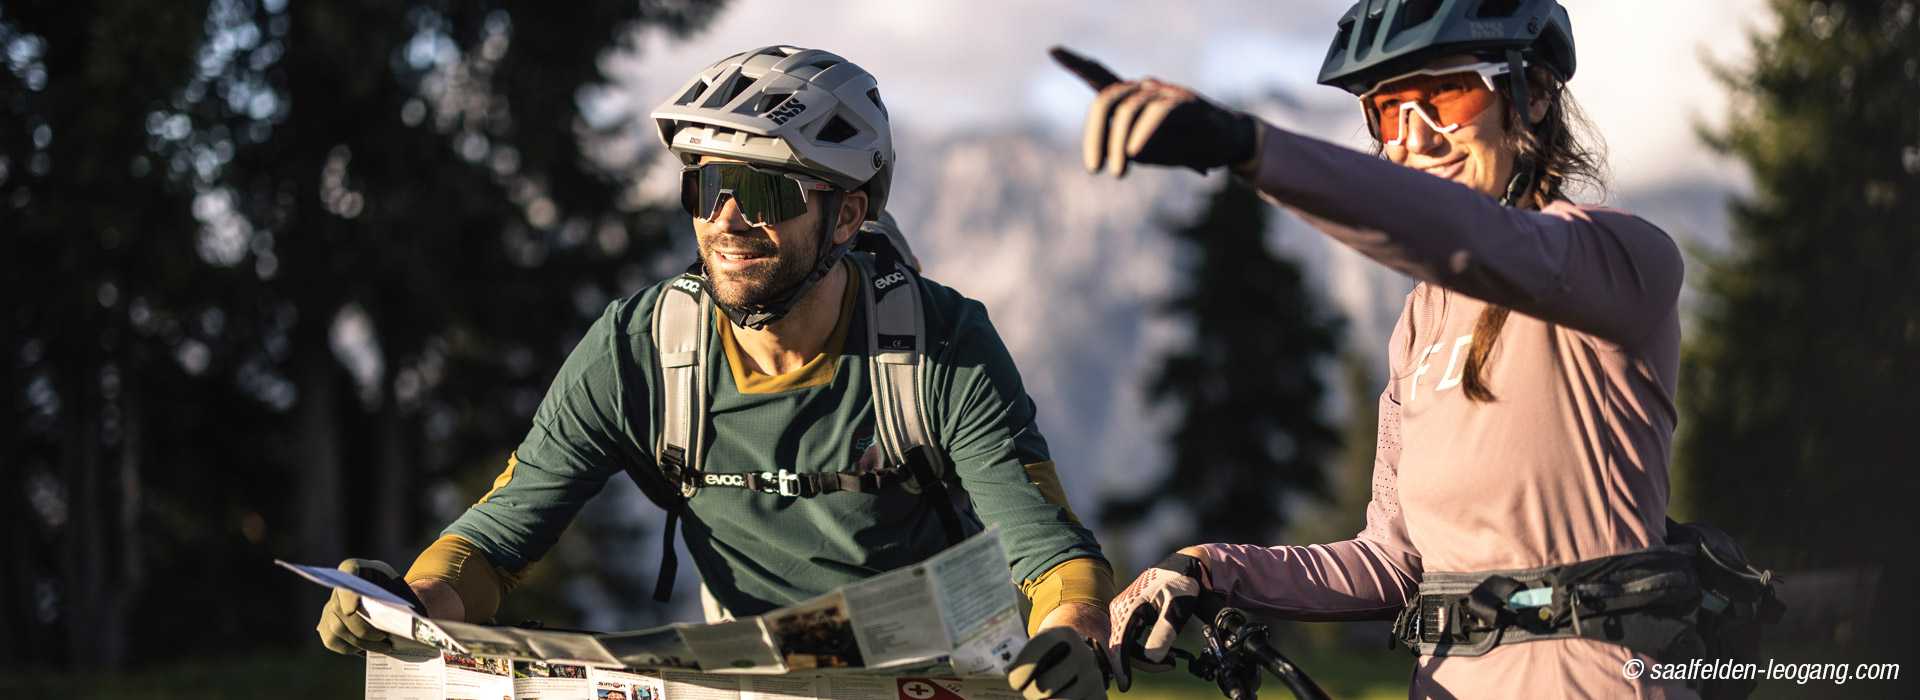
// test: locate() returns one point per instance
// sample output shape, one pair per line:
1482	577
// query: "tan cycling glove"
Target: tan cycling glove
344	631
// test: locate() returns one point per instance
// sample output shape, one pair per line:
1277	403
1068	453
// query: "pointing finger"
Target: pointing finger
1087	69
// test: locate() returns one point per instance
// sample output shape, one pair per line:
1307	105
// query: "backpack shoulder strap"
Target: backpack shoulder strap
680	344
896	344
680	314
897	367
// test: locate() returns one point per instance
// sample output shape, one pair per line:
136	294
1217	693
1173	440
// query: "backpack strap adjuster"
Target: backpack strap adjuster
785	483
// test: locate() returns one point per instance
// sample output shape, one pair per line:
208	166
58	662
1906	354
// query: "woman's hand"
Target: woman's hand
1156	123
1149	614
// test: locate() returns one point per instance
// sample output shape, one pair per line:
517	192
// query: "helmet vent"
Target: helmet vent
1369	28
1497	8
693	92
736	87
1341	38
768	102
874	94
1417	12
837	130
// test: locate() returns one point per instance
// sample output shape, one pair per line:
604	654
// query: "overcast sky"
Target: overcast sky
954	66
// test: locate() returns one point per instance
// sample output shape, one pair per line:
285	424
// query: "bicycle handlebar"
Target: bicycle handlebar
1237	650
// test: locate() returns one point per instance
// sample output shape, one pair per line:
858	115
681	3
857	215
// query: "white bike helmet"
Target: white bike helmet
784	106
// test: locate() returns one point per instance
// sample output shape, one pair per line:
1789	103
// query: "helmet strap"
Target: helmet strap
759	316
1522	182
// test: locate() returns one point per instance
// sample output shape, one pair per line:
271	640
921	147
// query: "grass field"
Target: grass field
318	675
315	674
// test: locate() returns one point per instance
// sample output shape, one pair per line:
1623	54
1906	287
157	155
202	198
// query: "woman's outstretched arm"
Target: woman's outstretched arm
1599	271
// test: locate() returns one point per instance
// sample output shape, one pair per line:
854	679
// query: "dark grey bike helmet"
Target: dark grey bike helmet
1379	39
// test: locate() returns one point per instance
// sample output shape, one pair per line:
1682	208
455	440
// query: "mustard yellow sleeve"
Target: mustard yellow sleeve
1084	580
460	564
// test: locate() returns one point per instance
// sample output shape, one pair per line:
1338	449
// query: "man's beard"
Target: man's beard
762	283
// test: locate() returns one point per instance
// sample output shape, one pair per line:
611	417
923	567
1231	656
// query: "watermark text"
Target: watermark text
1769	670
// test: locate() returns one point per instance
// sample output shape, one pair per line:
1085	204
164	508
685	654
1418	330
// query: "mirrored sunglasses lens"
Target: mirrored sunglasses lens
763	198
690	194
755	193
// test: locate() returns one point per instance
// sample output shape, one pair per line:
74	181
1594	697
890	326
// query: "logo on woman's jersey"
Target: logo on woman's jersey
1450	376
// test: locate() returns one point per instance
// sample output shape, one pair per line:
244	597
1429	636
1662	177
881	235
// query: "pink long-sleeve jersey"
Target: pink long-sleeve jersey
1568	463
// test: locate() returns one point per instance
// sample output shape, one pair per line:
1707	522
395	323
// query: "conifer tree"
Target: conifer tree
1802	366
1248	385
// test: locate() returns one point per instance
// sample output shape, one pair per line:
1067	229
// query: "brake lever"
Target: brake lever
1100	657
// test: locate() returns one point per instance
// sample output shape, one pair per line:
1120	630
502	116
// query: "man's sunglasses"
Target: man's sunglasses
1444	97
765	197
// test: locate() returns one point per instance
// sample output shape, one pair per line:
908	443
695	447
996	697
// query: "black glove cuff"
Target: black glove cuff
1184	565
397	586
1246	139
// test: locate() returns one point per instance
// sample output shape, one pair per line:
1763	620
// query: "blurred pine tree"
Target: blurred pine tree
1801	370
283	268
1248	387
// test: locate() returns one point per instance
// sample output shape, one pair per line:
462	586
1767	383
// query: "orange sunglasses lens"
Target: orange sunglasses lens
1448	99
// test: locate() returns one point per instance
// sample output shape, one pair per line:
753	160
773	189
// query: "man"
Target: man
777	468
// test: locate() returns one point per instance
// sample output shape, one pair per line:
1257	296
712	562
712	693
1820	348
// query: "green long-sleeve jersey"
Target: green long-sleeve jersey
758	551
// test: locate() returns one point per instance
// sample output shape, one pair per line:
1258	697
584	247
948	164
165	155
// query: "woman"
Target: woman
1526	423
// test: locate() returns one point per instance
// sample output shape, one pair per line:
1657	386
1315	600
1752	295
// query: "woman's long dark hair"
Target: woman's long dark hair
1566	154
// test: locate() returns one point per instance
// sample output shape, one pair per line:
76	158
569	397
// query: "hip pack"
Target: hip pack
1695	597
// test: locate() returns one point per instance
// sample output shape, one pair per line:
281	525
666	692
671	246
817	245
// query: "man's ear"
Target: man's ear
853	213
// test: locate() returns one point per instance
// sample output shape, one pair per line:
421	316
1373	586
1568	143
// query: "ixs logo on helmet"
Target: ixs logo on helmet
883	283
787	110
724	479
1488	30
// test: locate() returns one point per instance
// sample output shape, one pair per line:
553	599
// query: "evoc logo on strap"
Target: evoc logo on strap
724	479
688	285
881	284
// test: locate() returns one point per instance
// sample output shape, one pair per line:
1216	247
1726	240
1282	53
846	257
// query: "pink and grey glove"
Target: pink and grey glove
1149	614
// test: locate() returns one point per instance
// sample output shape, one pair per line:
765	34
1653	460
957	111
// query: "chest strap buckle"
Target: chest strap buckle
786	483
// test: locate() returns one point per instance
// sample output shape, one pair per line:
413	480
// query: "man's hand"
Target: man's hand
1156	123
1089	621
440	599
1063	660
1149	614
344	631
